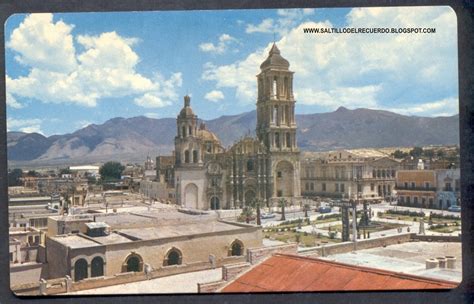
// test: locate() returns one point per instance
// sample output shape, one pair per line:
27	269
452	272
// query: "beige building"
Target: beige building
428	188
86	246
363	174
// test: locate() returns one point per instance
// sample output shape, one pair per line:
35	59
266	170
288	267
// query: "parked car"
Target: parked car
267	215
324	209
454	208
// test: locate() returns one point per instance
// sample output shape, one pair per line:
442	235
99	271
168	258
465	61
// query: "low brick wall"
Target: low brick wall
210	287
331	249
437	238
120	278
231	271
255	255
30	289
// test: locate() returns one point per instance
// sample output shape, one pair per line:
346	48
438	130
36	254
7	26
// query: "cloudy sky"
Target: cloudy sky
65	71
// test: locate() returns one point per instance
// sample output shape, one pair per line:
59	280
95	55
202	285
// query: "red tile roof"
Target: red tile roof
283	272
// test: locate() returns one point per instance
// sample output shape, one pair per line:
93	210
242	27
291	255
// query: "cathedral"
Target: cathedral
267	167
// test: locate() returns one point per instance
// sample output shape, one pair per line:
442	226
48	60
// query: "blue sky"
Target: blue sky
65	71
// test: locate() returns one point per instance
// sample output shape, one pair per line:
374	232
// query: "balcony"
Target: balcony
409	188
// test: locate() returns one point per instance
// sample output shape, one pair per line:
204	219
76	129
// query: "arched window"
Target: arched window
190	130
275	87
286	87
80	270
250	165
277	140
195	156
183	131
174	257
186	156
288	140
215	204
236	248
97	267
133	263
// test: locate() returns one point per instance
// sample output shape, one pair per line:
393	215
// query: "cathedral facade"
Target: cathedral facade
265	167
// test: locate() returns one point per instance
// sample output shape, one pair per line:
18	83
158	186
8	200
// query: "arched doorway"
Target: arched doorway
215	203
80	270
284	179
191	196
97	267
174	257
236	248
134	262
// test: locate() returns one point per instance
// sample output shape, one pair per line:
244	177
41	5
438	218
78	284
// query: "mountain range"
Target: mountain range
132	139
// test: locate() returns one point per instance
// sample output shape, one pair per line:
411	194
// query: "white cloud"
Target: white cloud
444	107
214	96
12	102
24	125
287	18
38	40
151	115
359	70
266	26
219	48
105	68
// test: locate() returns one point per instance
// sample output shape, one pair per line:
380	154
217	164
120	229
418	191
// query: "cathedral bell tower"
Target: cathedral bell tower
187	148
276	125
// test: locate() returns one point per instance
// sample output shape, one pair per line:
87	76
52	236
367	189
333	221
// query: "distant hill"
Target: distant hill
131	139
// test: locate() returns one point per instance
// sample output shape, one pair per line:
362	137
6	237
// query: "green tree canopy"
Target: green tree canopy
399	154
65	171
14	177
416	151
111	170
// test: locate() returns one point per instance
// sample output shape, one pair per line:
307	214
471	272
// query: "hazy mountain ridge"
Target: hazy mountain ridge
131	139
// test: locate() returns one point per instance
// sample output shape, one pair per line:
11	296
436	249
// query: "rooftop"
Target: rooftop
295	273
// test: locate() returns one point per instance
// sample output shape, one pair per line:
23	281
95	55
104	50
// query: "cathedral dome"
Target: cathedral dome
274	59
208	136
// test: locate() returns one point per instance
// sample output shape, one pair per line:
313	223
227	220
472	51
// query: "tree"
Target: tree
416	152
399	154
440	154
111	170
246	214
65	171
282	204
429	153
32	173
14	177
256	204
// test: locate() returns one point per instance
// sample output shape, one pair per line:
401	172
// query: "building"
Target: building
291	273
363	174
266	167
86	246
438	189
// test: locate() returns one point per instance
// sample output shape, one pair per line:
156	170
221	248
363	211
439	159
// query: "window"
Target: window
190	130
174	257
288	140
406	185
427	185
312	186
97	267
183	131
430	203
408	200
277	140
236	248
448	187
337	187
372	187
415	200
250	165
342	188
306	186
413	185
186	156
374	173
359	188
323	187
402	199
80	270
195	156
279	174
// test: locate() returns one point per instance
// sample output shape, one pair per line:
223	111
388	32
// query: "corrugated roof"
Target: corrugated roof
283	272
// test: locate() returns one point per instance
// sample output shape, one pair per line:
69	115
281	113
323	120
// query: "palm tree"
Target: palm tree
257	203
282	203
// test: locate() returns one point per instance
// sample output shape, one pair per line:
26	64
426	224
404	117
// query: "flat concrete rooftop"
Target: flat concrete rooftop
407	258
